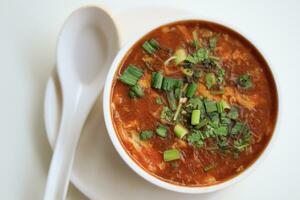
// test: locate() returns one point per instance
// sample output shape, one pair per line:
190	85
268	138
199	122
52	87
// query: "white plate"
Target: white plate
98	170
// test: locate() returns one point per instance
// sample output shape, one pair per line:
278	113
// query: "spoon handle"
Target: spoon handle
64	152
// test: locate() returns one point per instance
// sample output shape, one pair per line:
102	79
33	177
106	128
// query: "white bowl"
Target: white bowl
131	163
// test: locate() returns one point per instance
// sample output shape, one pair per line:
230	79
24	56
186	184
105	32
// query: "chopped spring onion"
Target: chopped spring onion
177	111
244	81
171	100
170	83
180	55
148	48
131	75
202	123
195	39
159	101
233	113
210	80
157	79
210	106
154	43
237	128
171	154
145	135
213	42
162	131
138	90
198	73
221	130
191	89
222	105
132	94
180	131
195	119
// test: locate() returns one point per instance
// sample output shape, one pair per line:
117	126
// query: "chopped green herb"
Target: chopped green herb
131	75
166	114
138	90
199	56
157	79
210	106
222	105
132	94
198	73
196	42
180	131
162	131
210	80
195	103
237	128
233	113
195	119
177	111
171	100
222	130
213	42
196	139
244	81
180	55
148	47
202	123
159	100
170	83
154	43
171	154
191	89
146	135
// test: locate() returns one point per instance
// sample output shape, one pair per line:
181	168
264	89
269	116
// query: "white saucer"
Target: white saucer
98	170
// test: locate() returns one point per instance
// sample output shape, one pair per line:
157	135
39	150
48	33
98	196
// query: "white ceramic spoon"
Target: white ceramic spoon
86	47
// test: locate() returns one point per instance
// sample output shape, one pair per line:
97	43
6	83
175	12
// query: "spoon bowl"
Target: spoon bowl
86	47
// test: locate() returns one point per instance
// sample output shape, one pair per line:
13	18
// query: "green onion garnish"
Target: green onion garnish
237	128
170	83
244	81
221	130
138	90
180	131
170	155
157	80
210	80
159	100
202	123
154	43
171	100
222	105
148	47
195	119
210	106
191	89
146	135
162	131
131	75
233	113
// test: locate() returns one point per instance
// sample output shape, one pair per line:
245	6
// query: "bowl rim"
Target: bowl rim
138	169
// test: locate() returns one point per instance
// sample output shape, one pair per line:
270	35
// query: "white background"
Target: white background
27	53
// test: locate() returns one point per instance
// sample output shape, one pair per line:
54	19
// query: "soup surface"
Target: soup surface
194	103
